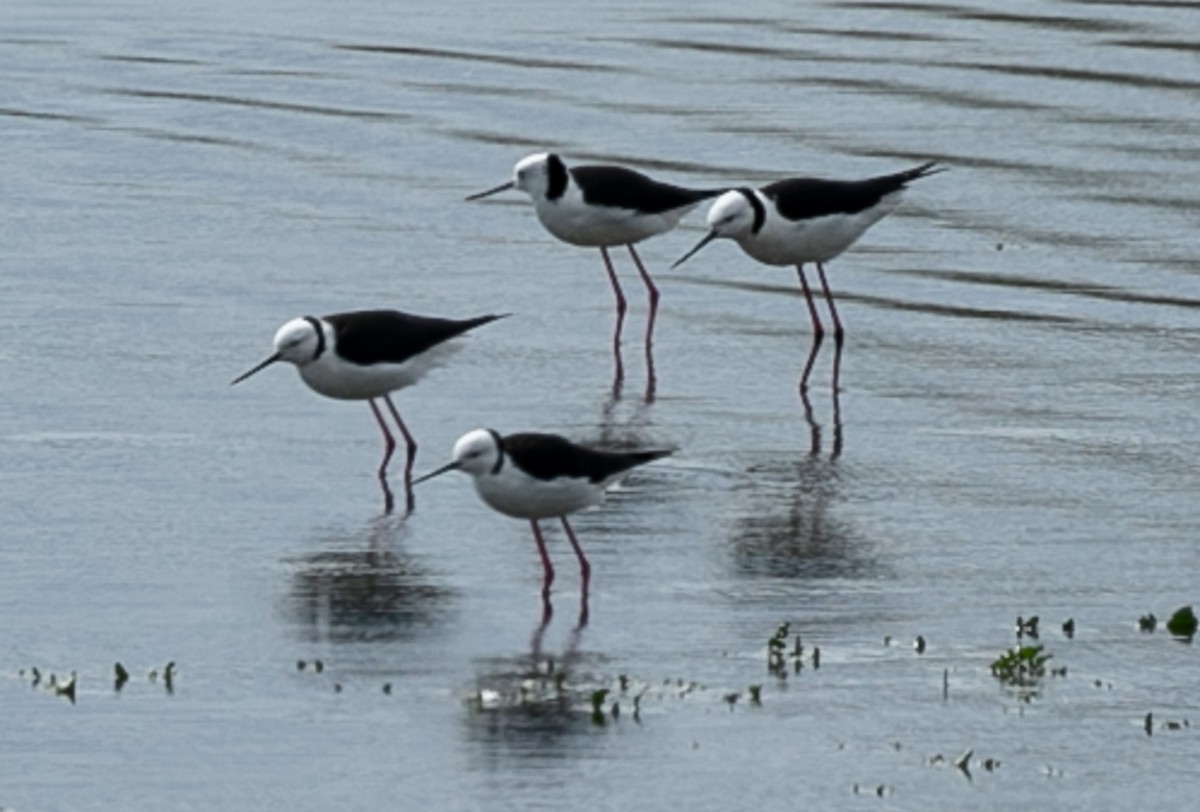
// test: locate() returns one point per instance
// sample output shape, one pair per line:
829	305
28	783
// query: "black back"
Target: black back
809	198
548	456
367	337
621	188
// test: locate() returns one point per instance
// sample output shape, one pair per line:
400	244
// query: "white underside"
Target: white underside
338	379
784	242
515	493
574	222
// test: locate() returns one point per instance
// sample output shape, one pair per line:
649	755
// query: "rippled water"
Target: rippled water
1016	433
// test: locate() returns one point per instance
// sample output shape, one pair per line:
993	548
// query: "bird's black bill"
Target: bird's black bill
258	368
712	235
453	466
504	187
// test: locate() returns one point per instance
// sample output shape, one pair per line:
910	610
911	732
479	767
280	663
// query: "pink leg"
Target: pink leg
651	290
410	443
837	369
540	632
547	567
411	453
585	569
818	328
616	286
838	333
388	440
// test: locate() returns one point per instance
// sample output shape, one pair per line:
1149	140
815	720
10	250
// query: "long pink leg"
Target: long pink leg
818	328
621	306
547	567
838	332
410	450
585	569
653	293
410	443
388	440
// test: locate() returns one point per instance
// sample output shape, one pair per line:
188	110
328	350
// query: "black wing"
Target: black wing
368	337
621	188
548	456
809	198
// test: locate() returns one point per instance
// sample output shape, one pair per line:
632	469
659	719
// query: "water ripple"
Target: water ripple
469	56
261	104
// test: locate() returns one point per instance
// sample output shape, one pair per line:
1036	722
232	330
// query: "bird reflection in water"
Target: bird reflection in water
814	428
813	351
618	383
362	587
793	529
530	705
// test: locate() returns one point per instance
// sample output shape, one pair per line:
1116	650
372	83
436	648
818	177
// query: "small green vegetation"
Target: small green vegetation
598	697
776	651
1183	623
1021	666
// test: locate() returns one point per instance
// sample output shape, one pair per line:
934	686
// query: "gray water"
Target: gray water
1016	432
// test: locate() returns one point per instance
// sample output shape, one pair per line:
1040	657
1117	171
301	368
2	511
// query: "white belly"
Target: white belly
345	381
783	242
516	494
577	224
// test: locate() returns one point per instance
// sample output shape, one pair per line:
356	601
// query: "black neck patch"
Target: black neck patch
556	177
500	449
316	325
760	211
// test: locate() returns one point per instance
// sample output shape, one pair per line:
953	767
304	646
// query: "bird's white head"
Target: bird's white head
735	215
300	341
542	176
476	453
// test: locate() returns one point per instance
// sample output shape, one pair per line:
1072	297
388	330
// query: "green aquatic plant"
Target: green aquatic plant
1183	623
1021	666
598	697
776	650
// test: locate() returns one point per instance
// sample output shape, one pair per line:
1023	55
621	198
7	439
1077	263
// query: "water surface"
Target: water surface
1016	433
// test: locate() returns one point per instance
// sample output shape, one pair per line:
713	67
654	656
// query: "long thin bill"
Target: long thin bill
504	187
453	466
258	368
712	235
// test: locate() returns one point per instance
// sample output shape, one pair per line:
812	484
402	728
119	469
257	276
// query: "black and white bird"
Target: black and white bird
603	206
541	476
802	220
367	355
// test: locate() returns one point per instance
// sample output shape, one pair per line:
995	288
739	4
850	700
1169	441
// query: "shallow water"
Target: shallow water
1017	426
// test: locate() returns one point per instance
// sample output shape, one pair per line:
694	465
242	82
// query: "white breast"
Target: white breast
516	494
569	219
344	381
787	242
